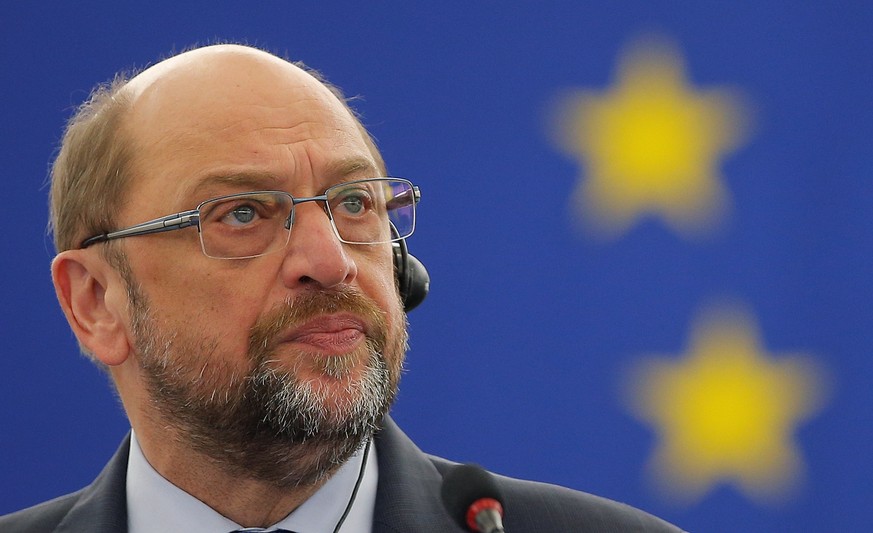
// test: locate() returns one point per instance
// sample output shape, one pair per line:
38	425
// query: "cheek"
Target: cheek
377	280
222	305
388	299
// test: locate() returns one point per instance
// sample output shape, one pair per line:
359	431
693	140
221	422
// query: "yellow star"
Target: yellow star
726	411
651	144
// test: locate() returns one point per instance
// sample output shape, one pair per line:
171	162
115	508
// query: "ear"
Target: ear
94	300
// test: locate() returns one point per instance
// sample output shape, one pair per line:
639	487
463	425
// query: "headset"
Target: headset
413	281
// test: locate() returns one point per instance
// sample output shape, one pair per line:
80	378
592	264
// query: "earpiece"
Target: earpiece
412	277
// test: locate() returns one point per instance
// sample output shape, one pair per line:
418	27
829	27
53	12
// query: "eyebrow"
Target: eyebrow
250	180
335	172
351	165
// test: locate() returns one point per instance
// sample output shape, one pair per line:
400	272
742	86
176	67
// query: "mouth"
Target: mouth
335	334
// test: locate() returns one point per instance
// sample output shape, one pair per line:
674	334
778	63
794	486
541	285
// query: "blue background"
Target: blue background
517	354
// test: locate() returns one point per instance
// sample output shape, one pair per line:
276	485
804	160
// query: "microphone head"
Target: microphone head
463	487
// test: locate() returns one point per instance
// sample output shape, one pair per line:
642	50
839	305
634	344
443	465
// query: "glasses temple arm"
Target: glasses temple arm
168	223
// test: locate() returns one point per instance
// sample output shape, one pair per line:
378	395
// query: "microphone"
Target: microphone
472	498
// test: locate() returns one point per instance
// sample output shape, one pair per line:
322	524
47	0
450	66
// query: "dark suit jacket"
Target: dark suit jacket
407	501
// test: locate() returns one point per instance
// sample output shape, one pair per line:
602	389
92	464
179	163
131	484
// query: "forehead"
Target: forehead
236	113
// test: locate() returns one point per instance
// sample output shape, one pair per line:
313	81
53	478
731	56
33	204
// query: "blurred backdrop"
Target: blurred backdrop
648	226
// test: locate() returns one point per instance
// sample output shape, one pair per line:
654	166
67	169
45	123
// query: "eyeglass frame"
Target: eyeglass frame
184	219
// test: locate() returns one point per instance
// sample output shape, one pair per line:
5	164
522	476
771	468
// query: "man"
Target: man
256	352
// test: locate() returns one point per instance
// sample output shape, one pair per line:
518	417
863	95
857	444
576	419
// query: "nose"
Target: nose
314	255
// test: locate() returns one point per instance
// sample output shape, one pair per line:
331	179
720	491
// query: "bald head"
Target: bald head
175	105
216	75
201	62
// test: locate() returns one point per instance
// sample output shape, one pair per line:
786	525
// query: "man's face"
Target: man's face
246	357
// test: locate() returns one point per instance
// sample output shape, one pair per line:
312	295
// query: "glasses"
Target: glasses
252	224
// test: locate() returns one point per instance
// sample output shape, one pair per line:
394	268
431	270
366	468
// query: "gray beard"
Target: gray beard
267	424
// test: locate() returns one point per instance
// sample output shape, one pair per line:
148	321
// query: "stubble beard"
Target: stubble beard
266	423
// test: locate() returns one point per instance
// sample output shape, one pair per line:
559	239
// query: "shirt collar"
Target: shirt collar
155	505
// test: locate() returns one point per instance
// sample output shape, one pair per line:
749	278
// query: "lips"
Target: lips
336	334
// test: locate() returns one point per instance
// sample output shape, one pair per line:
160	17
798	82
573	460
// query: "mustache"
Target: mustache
293	312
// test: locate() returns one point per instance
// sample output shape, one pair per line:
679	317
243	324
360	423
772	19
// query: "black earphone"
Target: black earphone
412	278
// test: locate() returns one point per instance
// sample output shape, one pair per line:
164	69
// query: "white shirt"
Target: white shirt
155	505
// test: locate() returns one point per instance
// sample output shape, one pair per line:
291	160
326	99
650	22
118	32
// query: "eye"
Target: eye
240	215
352	202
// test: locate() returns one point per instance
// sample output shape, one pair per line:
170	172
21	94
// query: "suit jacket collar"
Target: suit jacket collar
102	506
408	495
